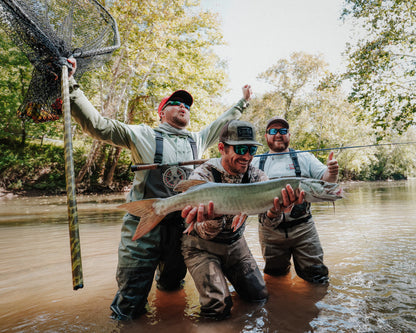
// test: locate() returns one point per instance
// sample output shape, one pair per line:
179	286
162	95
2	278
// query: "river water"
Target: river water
368	239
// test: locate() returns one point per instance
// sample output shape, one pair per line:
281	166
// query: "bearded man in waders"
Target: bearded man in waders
295	235
169	143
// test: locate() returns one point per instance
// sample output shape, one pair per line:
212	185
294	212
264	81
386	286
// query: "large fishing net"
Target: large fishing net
50	31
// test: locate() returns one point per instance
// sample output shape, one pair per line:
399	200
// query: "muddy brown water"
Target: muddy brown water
368	239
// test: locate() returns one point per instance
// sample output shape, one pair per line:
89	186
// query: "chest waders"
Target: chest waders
158	251
298	210
221	260
159	184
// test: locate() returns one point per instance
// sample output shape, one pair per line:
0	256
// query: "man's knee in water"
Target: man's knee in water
223	311
124	310
278	271
315	274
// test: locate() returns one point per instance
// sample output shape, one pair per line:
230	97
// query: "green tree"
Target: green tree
165	45
319	116
382	63
293	78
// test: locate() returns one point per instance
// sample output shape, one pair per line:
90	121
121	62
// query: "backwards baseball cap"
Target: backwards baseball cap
277	119
238	132
179	96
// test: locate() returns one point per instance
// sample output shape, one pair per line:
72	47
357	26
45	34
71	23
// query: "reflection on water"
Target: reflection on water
368	239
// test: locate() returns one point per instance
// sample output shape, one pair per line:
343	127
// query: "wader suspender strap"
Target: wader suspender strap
194	149
294	157
159	148
295	161
217	177
262	162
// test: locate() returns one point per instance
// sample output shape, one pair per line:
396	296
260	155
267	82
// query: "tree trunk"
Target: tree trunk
92	156
111	165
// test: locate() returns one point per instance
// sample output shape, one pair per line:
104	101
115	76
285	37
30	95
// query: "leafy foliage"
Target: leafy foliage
321	117
382	64
165	46
42	168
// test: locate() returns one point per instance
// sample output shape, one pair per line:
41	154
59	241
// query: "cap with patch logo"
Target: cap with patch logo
238	132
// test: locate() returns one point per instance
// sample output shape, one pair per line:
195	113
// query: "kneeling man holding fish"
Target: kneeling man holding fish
214	248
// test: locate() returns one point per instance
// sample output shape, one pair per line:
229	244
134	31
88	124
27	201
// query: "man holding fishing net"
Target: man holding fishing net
169	143
214	248
296	235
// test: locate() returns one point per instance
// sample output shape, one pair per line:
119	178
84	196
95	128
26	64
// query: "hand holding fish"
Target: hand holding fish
289	199
197	214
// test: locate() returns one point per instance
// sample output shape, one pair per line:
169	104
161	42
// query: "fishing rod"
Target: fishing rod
148	166
339	148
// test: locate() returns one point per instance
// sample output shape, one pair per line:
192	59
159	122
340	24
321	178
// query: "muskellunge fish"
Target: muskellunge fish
228	199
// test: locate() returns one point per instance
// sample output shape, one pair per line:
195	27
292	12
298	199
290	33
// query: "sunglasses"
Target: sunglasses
243	149
176	103
274	131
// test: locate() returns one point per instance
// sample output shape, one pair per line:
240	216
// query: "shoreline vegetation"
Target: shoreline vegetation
39	170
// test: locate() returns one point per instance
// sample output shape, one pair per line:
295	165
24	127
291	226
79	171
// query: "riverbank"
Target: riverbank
7	194
36	169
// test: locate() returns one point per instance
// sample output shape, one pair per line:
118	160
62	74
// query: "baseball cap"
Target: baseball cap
178	95
238	132
277	119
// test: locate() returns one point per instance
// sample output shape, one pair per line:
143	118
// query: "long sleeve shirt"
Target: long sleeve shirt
140	139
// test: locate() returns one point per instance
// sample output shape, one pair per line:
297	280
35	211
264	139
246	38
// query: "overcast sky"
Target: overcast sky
260	32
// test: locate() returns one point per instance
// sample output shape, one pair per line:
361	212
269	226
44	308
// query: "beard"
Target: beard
180	122
280	146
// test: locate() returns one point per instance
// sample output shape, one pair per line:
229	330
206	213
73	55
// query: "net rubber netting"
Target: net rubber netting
50	31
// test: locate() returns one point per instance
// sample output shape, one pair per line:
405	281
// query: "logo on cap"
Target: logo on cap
244	132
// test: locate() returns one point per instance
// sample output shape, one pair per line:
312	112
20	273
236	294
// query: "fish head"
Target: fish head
319	190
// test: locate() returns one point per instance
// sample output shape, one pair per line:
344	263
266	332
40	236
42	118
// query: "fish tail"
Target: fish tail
148	217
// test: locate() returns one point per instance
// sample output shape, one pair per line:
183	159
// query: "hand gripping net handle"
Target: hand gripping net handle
47	31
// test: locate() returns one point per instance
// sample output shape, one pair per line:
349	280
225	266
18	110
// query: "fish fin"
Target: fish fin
238	221
139	207
148	218
146	224
185	185
189	229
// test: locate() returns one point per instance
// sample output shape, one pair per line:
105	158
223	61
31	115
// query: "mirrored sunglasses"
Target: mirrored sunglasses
176	103
274	131
243	149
